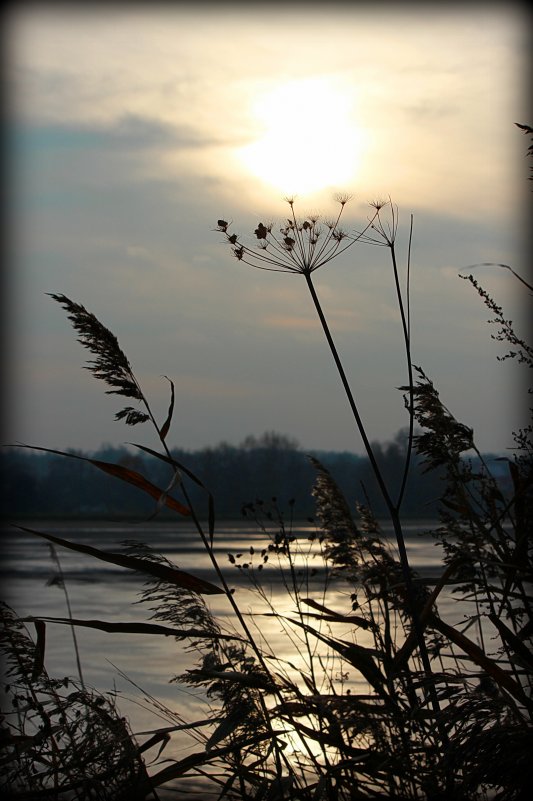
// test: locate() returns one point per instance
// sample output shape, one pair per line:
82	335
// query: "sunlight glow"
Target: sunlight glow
310	138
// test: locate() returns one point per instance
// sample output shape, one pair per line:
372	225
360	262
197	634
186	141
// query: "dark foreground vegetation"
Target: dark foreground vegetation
437	711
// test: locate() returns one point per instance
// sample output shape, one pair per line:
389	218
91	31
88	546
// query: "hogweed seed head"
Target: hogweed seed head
302	245
384	228
343	198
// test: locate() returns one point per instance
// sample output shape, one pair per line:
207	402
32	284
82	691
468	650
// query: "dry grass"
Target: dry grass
383	697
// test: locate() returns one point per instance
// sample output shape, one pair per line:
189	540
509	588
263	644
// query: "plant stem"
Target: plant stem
278	753
392	508
406	327
63	585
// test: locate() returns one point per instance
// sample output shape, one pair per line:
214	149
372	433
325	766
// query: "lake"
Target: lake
139	667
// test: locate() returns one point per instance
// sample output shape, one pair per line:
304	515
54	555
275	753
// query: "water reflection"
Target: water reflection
138	668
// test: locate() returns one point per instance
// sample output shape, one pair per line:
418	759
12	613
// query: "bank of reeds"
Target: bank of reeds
382	697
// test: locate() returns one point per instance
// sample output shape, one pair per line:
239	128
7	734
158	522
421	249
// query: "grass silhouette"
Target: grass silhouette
437	712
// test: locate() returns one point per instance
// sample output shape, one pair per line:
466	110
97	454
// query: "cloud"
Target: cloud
193	387
172	83
126	126
129	133
288	322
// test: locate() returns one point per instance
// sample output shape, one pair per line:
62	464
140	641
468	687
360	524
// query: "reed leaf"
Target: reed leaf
132	628
124	474
162	737
166	425
197	724
512	640
426	615
357	655
226	727
253	680
331	616
183	469
328	738
38	667
477	655
201	758
169	574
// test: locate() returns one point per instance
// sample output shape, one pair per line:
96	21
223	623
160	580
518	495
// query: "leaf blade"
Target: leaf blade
124	474
166	425
130	628
169	574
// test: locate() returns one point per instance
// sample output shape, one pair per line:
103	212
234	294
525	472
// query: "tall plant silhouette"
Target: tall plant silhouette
303	245
430	715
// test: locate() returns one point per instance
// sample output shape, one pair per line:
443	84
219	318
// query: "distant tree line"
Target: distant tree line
42	485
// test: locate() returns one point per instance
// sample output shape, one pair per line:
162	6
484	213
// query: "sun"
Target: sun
309	140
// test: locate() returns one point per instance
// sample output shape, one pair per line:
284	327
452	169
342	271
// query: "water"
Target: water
139	667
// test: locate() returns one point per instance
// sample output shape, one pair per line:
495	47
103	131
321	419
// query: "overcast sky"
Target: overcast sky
133	129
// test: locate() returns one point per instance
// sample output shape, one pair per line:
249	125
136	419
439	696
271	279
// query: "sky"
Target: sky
132	129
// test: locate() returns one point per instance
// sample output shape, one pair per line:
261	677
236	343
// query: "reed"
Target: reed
381	697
